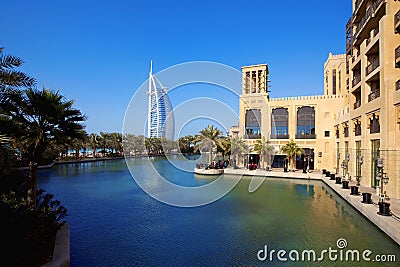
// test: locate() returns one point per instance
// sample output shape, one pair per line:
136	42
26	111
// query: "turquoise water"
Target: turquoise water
114	223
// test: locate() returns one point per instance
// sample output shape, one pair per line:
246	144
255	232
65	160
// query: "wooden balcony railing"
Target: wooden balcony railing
397	22
372	66
367	15
374	95
357	104
397	57
356	80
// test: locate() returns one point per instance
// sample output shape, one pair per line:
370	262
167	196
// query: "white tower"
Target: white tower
159	107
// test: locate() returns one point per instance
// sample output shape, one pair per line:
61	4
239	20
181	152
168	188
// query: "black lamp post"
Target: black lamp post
360	162
347	166
382	179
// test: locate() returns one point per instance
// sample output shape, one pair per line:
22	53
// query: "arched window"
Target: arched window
253	124
305	123
279	123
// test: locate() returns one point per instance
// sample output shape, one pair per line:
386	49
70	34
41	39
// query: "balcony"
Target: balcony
305	136
397	57
398	85
374	95
357	104
279	136
356	80
397	22
372	66
367	15
372	13
252	136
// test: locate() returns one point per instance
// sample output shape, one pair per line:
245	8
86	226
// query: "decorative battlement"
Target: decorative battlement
313	97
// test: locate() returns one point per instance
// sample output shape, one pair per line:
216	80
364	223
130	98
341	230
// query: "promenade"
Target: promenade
388	224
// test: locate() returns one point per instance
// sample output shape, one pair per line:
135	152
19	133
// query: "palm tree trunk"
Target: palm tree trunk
31	184
262	156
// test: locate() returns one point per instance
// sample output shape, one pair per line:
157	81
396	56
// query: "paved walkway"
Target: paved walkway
388	224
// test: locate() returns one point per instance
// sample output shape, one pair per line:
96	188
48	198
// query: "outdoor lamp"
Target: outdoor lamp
380	163
385	179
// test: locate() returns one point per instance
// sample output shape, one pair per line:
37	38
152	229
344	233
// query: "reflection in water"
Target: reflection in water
114	223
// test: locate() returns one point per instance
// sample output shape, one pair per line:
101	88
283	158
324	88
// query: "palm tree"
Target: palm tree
94	143
237	147
9	77
292	150
38	120
207	137
263	148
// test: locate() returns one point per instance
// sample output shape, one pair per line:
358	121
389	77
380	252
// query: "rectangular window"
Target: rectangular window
327	133
334	82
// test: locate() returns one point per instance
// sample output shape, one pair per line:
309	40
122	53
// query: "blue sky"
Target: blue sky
98	52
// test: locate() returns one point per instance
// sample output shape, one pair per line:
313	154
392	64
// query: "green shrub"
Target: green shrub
28	235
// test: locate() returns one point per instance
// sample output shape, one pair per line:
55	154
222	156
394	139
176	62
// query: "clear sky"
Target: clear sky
98	52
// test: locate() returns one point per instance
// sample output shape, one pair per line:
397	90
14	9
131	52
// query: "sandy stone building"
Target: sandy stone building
356	122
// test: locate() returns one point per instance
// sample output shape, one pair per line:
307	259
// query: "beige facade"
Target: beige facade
369	127
305	119
357	120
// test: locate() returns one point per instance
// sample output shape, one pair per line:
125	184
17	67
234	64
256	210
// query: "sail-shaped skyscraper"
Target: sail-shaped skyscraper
160	117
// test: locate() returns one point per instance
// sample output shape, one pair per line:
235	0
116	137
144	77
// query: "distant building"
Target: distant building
160	116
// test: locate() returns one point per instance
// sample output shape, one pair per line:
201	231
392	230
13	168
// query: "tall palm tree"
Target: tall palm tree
263	148
11	78
94	143
292	150
238	146
38	120
207	137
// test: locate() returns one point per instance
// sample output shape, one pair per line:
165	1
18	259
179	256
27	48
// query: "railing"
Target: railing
373	95
305	136
357	104
356	80
376	31
376	4
396	21
252	136
396	56
364	19
358	3
367	15
398	85
372	66
279	136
